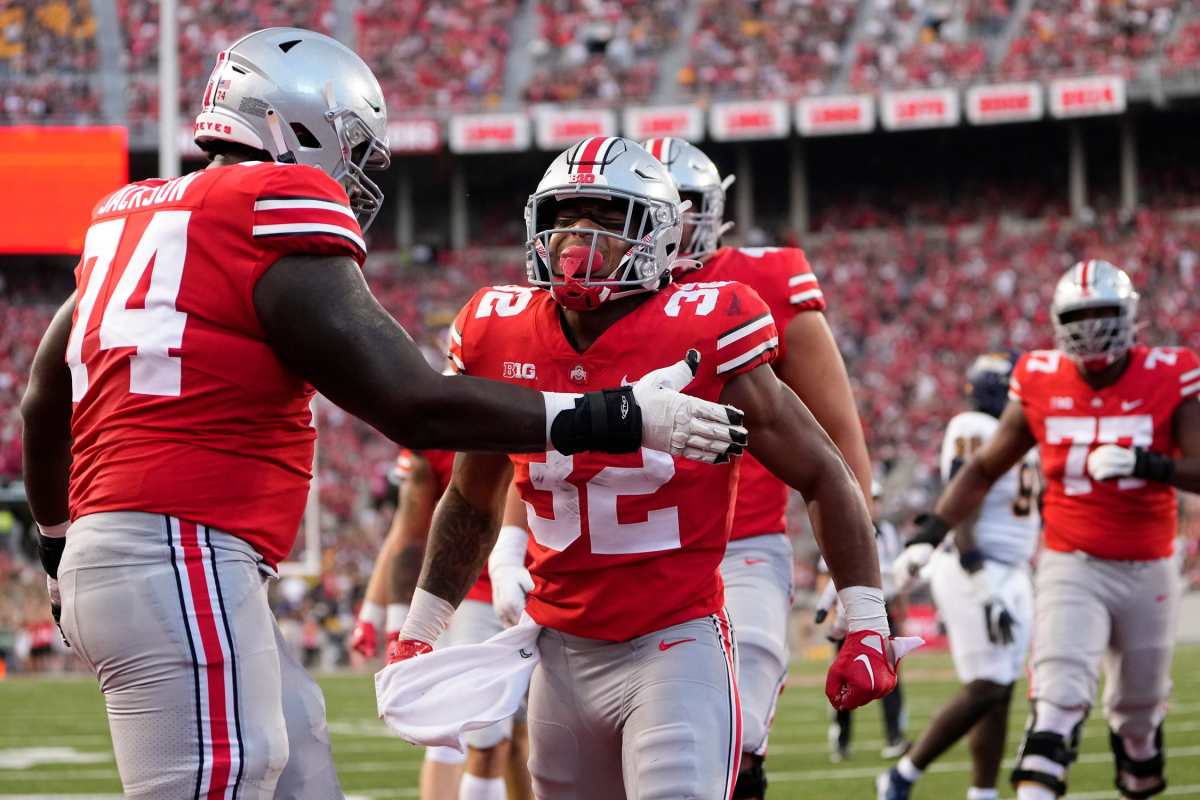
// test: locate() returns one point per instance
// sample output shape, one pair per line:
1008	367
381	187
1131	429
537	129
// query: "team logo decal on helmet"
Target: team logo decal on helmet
1094	340
695	173
620	172
305	98
987	381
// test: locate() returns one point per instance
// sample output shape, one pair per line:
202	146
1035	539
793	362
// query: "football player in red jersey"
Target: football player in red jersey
167	418
757	569
634	694
1118	426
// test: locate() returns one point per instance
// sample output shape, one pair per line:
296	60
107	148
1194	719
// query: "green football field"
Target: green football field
54	739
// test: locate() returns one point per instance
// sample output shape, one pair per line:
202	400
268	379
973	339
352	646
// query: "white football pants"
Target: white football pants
204	698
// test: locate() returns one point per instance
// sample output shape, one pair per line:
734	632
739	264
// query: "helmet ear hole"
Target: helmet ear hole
305	137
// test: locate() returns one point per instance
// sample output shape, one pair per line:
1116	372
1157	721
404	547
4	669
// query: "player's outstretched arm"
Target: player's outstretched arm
463	532
786	438
324	324
1186	424
970	485
814	369
46	411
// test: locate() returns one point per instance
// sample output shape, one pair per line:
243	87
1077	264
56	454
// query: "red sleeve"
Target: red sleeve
1189	377
300	209
457	356
746	333
1019	375
803	291
404	464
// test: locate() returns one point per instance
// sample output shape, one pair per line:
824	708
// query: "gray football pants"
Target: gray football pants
653	718
757	572
1119	614
204	698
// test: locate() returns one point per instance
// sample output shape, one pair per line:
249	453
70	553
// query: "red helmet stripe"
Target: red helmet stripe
656	148
589	150
1083	276
212	81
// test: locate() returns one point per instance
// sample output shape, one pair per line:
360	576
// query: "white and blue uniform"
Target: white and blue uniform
1006	533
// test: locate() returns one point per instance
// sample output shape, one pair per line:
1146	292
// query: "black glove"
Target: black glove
931	530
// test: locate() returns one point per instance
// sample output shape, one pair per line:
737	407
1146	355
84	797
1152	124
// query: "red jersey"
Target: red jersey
783	278
622	545
181	407
442	464
1127	519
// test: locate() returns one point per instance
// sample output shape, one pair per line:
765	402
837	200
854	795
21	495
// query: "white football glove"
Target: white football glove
906	569
1110	461
511	581
999	620
686	427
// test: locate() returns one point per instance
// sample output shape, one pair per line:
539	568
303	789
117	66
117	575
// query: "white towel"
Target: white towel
433	699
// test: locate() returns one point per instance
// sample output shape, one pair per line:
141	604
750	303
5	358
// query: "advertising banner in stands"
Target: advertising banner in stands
489	133
922	108
686	122
559	128
422	135
823	116
763	119
1086	97
1004	102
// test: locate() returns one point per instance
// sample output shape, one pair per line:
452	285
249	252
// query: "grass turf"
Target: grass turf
69	713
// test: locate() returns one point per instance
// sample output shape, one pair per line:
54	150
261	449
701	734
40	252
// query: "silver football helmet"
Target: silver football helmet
306	99
1094	343
616	170
694	172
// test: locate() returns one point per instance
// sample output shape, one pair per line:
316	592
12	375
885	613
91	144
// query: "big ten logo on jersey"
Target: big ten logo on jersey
1081	433
506	301
657	532
703	295
513	369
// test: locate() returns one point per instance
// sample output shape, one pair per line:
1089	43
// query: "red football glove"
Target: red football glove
403	649
365	639
863	671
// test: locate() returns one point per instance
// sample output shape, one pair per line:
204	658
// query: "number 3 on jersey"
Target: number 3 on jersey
660	531
153	329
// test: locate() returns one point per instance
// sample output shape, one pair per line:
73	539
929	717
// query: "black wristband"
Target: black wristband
1153	466
970	559
932	530
608	421
50	552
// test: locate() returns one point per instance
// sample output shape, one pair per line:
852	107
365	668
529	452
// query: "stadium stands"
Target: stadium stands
780	48
908	44
436	55
600	49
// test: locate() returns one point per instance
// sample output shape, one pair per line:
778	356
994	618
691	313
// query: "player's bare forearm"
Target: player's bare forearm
46	411
964	532
786	438
969	486
414	513
465	526
815	371
1186	428
325	325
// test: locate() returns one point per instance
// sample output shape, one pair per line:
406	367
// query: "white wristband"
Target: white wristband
556	402
864	609
427	617
372	613
510	548
396	614
54	531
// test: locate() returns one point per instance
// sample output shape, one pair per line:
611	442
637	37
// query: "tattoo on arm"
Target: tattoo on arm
460	541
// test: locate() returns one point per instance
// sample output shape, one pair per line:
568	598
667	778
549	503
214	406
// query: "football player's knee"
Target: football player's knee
267	751
668	763
1140	764
1065	684
1050	746
987	695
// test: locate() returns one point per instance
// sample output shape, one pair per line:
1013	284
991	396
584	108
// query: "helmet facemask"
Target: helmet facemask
706	216
649	236
361	150
1095	342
